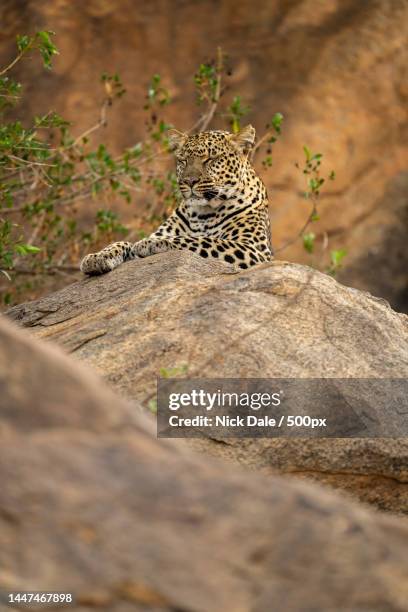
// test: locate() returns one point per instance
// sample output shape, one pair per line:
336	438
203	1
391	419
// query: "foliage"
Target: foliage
311	170
46	172
174	372
336	258
235	111
308	241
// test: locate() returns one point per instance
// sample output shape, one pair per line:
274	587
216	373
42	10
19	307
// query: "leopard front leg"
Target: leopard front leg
115	254
107	259
241	253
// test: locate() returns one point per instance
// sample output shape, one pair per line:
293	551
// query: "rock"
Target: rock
336	70
178	310
373	470
36	387
127	522
382	269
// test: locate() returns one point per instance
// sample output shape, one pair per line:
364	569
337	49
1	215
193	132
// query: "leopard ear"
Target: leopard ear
176	139
245	138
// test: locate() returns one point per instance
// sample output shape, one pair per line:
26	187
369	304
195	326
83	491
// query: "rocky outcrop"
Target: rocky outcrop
92	503
178	310
336	70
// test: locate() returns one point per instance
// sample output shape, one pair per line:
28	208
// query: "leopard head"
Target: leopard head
212	166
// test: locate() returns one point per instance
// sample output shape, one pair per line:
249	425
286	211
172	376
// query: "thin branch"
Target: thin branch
101	123
210	114
49	270
37	228
260	142
30	162
13	63
301	231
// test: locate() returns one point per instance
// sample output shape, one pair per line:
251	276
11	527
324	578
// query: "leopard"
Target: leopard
223	211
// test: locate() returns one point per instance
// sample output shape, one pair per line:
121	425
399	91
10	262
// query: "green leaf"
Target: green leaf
308	241
308	153
23	43
337	257
313	184
8	298
152	405
46	46
31	249
25	249
277	122
235	125
173	372
267	162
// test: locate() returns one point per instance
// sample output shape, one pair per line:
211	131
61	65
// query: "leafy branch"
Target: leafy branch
311	170
208	81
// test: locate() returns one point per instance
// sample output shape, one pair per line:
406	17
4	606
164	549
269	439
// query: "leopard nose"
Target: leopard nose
190	180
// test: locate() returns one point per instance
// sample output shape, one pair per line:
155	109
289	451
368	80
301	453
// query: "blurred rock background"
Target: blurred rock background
336	69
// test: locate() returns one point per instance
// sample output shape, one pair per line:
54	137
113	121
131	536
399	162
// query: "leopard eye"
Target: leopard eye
211	159
181	162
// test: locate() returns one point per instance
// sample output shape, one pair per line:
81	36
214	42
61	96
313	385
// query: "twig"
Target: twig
46	270
101	123
301	232
260	142
37	228
13	63
30	162
210	114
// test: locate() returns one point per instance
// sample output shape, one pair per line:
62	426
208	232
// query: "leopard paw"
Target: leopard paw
146	247
97	263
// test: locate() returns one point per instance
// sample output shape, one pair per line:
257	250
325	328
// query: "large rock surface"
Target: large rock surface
335	69
178	310
99	507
